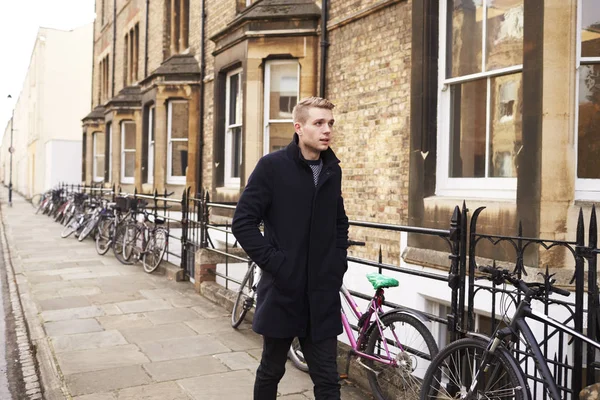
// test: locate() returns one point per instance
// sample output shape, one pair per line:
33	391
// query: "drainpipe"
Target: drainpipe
324	46
114	45
200	147
146	40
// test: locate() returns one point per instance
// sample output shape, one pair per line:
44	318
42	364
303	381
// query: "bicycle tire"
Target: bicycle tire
71	227
131	250
155	250
468	352
244	301
88	228
104	236
117	245
36	199
416	348
41	205
296	356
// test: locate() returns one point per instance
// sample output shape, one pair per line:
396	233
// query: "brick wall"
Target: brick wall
368	76
129	13
219	14
156	32
103	35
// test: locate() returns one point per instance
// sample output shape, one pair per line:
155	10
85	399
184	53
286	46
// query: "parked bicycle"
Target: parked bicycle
478	367
394	347
146	240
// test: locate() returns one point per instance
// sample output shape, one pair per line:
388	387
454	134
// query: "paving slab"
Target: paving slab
72	313
214	325
156	391
85	341
238	360
236	385
106	380
157	333
239	340
137	306
170	316
99	359
127	321
64	302
72	326
172	349
185	368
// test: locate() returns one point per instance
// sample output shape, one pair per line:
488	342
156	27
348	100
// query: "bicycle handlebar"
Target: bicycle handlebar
534	289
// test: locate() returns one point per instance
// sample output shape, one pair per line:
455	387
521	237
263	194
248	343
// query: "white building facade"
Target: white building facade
46	124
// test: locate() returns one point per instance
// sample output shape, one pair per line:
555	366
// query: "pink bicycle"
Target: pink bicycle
394	347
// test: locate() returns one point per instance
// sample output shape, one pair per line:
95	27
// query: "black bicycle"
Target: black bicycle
478	367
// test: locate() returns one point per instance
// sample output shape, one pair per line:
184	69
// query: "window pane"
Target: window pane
280	135
99	171
179	120
506	125
129	133
235	100
129	164
588	152
464	36
236	151
151	124
180	158
590	28
284	90
504	35
467	132
99	142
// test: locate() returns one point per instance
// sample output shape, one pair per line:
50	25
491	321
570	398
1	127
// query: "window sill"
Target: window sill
128	181
176	181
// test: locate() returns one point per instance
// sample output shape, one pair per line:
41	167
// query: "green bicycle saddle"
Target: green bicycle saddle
381	281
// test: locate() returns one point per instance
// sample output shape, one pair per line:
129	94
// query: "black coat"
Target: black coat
303	251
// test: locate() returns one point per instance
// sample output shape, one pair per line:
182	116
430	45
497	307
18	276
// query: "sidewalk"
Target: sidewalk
104	331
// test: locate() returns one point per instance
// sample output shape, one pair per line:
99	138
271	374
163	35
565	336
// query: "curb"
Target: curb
35	355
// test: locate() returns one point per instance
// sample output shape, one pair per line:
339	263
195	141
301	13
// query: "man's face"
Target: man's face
315	134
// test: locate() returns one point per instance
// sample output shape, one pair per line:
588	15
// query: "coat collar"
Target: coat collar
293	151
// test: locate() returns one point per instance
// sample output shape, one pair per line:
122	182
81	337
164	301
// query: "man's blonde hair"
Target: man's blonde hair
300	111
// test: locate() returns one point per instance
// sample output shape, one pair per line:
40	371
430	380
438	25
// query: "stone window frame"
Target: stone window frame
131	55
178	26
175	179
124	178
267	99
229	180
96	177
108	155
477	187
104	71
585	189
150	141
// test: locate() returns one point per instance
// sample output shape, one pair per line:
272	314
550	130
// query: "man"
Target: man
297	193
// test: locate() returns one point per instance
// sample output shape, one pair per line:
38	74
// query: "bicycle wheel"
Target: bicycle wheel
451	374
104	236
133	243
296	355
118	243
246	294
42	205
36	199
89	227
71	227
155	250
410	345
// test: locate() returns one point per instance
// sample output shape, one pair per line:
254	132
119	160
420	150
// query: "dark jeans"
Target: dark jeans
321	358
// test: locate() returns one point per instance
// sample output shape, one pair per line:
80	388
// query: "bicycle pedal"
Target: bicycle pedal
360	362
343	376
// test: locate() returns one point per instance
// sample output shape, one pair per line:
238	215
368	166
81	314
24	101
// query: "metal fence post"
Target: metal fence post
184	229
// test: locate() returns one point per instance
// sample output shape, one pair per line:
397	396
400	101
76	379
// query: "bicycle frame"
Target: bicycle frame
519	325
374	308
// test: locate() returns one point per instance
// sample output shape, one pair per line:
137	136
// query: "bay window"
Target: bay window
127	151
233	128
282	79
177	150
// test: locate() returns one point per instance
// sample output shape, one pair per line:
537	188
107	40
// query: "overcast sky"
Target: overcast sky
19	23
